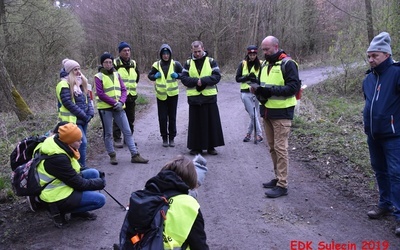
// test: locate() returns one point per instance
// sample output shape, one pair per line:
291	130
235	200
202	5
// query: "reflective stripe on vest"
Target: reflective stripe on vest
129	77
56	190
110	87
245	71
63	113
275	78
165	85
182	213
205	71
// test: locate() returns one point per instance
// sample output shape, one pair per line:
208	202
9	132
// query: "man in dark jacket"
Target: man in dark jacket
70	190
279	82
381	89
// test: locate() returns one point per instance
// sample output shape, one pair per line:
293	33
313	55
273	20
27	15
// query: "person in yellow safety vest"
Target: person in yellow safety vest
129	72
74	104
165	73
111	96
247	73
200	75
279	90
71	189
184	225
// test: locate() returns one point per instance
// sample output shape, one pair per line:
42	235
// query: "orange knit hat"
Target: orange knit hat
69	133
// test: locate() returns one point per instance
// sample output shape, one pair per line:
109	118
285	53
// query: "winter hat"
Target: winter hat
105	56
69	64
252	49
165	51
123	45
69	133
380	43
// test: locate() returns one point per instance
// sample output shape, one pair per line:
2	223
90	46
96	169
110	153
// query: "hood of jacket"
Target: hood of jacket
165	47
167	180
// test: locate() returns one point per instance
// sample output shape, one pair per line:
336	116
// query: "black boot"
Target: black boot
164	141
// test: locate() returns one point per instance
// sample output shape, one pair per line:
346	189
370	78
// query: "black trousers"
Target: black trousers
167	116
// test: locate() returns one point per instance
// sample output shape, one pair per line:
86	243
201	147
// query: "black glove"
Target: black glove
200	88
252	77
118	106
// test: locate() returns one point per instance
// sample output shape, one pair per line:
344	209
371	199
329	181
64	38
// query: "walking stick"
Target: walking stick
254	119
119	203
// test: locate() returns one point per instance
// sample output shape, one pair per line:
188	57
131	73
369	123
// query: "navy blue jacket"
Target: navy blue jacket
82	108
381	89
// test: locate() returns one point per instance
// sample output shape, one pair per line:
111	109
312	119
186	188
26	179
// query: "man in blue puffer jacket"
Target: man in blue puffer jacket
381	89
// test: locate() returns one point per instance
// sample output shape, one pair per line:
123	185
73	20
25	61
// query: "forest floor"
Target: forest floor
316	214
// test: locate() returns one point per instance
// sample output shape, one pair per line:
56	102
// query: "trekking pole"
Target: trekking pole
119	203
254	120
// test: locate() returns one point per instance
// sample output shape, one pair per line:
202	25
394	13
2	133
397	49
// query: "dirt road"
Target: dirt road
237	213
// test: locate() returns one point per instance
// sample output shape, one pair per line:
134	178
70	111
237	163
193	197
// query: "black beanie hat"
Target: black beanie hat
105	56
252	49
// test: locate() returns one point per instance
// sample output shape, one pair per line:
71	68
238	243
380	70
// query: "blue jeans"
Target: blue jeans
90	200
385	161
107	117
82	148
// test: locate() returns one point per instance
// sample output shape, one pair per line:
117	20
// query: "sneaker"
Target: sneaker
247	138
276	192
118	143
195	151
84	215
113	158
259	138
171	143
397	230
212	151
379	213
138	159
270	184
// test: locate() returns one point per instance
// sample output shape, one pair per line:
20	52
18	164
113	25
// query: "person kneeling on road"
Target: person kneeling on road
71	190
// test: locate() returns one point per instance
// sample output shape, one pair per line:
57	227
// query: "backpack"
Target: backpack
23	152
144	223
25	178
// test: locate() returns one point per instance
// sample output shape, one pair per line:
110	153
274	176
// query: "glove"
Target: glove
174	75
157	75
252	77
118	106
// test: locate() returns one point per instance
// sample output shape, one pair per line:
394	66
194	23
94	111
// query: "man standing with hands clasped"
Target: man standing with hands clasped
279	82
381	89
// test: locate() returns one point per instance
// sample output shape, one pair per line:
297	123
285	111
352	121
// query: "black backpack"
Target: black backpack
23	152
144	223
25	178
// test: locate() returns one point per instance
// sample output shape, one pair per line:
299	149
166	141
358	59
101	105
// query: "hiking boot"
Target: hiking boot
276	192
247	138
171	143
259	138
113	158
138	159
212	151
84	215
379	213
270	184
118	143
60	220
165	142
195	151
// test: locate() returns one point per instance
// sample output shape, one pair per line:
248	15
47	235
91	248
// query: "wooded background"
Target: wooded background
37	34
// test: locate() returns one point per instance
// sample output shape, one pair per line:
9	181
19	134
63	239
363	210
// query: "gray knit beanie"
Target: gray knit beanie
380	43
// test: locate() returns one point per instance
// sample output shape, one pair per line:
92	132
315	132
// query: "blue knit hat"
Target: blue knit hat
123	45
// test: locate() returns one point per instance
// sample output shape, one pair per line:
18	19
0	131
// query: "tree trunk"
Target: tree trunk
370	28
20	108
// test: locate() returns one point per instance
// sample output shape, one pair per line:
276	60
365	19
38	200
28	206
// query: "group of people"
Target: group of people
267	88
